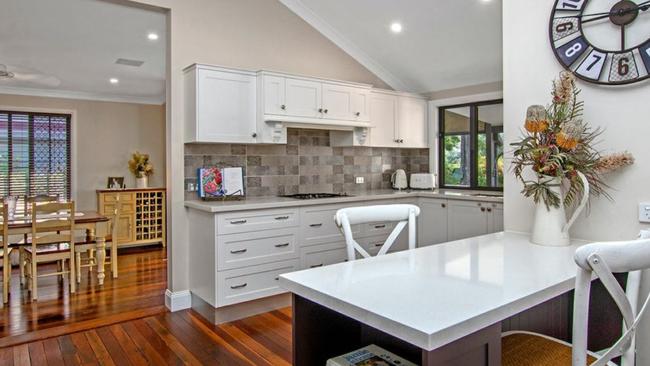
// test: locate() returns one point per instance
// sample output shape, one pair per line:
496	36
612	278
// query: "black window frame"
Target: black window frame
30	188
473	106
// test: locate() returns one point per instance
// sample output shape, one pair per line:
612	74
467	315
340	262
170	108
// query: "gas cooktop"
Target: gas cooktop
313	196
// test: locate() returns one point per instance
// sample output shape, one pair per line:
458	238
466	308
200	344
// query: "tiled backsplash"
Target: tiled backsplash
307	163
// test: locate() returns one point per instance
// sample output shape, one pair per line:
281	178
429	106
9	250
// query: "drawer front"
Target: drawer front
248	249
125	208
379	228
240	222
373	244
323	255
318	226
245	284
112	197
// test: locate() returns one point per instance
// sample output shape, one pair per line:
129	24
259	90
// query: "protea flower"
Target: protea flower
536	119
569	136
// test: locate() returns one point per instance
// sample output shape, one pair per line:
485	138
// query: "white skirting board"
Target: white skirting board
179	300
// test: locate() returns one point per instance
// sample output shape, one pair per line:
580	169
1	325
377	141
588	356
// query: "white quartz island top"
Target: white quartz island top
260	203
432	296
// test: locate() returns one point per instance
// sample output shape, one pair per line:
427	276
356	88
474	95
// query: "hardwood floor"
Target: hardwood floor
166	339
138	292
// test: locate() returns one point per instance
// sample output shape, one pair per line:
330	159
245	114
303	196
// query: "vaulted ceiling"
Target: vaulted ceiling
444	44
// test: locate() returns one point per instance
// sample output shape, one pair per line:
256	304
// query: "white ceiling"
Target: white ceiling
78	42
445	44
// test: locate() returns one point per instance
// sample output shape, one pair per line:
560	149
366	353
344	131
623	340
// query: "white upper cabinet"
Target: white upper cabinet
361	104
337	102
398	120
220	105
274	95
383	111
412	122
303	98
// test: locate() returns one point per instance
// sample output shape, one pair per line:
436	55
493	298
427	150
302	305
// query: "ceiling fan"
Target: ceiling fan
26	75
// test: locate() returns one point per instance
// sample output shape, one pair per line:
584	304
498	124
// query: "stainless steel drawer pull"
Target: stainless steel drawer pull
378	245
316	265
240	251
282	245
380	226
239	286
238	222
282	218
315	225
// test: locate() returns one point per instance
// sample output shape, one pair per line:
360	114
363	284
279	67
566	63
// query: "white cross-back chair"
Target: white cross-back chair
402	214
603	260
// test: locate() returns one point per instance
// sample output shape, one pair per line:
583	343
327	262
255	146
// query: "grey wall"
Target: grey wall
306	164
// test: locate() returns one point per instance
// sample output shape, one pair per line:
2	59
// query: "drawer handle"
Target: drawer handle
239	286
240	251
277	278
315	225
282	245
282	218
379	245
238	222
380	226
316	265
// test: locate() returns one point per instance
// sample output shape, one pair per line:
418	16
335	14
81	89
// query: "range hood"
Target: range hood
315	123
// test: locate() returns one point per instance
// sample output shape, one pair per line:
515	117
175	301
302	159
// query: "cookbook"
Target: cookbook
217	182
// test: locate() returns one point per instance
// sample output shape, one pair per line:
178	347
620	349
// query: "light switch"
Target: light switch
644	212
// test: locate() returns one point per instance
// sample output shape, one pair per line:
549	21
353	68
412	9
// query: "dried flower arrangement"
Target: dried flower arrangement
140	166
613	162
557	145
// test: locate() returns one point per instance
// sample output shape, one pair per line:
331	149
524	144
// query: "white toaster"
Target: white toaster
423	181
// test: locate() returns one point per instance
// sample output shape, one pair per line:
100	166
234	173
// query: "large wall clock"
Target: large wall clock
602	41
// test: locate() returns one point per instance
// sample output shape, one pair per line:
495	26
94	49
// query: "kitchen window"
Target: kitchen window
35	154
471	146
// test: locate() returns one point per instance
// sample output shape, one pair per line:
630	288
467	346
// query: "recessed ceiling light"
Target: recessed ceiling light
396	27
113	80
152	36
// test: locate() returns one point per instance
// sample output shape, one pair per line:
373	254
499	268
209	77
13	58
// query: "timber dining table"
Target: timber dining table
95	224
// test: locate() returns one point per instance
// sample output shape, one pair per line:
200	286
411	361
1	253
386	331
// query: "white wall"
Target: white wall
529	67
249	34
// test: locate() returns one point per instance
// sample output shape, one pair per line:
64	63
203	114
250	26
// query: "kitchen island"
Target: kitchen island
444	305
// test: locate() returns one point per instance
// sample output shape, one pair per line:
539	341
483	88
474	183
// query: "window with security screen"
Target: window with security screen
35	154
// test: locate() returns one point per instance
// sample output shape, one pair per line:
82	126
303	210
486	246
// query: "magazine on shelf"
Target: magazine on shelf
371	355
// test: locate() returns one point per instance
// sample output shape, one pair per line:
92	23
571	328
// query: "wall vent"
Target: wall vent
127	62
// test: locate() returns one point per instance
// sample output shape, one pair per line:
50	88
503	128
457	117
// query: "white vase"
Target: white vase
551	227
142	182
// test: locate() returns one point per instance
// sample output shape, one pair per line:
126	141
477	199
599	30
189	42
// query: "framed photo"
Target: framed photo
115	183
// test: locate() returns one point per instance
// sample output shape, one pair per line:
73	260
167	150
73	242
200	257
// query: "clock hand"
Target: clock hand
644	6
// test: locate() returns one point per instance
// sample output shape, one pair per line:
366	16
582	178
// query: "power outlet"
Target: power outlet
644	212
359	180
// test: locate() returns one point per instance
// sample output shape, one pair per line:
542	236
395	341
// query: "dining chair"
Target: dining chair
29	201
402	214
5	252
88	245
52	239
603	260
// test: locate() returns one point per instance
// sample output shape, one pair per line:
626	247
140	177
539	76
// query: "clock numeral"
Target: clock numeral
623	67
570	4
563	27
644	50
571	51
593	65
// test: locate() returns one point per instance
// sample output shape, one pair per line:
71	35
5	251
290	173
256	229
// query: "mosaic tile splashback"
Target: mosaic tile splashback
307	163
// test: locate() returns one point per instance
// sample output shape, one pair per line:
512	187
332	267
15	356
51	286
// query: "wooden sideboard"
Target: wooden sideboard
142	214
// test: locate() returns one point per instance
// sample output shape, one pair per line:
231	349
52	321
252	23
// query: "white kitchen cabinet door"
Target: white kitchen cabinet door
303	98
412	122
361	104
274	95
337	102
466	219
383	112
432	222
226	105
495	217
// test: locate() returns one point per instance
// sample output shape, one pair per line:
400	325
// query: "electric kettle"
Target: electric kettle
399	180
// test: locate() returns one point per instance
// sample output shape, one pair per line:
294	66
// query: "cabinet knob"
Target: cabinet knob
283	107
254	134
325	111
358	114
401	141
396	140
444	205
482	209
489	210
320	110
